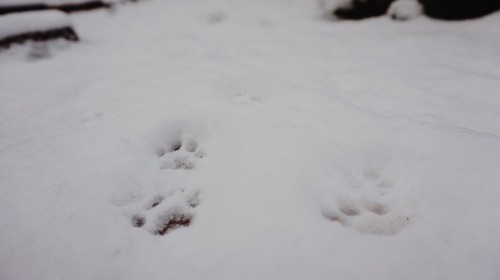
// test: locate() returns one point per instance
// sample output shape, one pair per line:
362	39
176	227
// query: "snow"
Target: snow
19	23
315	149
405	9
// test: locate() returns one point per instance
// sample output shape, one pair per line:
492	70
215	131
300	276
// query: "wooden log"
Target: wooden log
66	33
7	9
68	8
83	6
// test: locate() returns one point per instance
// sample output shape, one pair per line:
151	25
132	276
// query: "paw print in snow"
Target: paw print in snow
180	155
371	215
163	213
369	202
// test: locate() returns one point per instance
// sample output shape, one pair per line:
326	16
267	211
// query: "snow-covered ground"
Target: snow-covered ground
295	147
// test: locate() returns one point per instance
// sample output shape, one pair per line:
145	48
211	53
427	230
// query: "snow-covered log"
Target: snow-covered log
81	6
36	26
66	6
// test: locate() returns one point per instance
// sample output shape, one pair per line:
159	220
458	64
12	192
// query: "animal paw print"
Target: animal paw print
369	215
162	214
180	154
370	202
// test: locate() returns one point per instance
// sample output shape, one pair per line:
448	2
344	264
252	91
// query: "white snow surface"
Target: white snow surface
315	149
19	23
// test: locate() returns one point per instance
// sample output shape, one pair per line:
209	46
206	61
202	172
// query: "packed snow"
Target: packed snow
231	139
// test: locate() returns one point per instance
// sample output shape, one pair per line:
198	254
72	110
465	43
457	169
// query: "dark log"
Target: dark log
66	33
22	8
68	8
84	6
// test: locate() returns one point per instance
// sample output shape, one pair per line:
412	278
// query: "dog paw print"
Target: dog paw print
369	200
368	215
180	155
162	214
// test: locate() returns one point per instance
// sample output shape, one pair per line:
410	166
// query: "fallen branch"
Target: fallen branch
35	26
68	8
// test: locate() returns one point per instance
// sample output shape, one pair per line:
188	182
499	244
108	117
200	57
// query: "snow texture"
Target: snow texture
19	23
236	139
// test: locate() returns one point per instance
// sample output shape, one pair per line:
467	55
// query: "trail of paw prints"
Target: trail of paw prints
370	201
180	154
162	214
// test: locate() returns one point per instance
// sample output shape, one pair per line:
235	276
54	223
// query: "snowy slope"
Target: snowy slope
315	149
